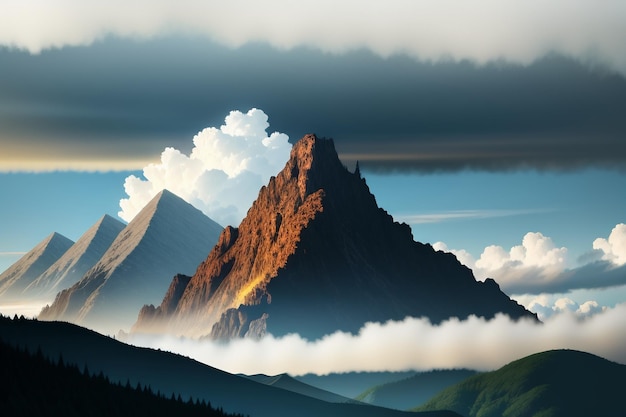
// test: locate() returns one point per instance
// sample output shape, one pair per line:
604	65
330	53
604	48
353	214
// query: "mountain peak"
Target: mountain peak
56	237
77	260
165	194
316	254
107	219
162	197
312	161
167	237
26	270
311	147
167	201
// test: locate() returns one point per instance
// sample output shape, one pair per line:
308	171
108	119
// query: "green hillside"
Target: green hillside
556	383
415	390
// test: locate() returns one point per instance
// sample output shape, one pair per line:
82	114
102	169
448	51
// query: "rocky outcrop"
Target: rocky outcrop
150	316
316	254
232	324
235	323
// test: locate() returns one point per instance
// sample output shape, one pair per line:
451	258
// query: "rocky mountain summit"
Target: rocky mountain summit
316	254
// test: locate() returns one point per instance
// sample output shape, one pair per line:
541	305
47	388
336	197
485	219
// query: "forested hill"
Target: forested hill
39	386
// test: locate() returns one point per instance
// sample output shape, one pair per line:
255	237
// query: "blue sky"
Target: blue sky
498	121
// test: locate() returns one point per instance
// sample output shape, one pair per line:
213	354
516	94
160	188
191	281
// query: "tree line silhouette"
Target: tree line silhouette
35	385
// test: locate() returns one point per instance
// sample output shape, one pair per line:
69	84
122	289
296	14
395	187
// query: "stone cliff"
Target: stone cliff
316	254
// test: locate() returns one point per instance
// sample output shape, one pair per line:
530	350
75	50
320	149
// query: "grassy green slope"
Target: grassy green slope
548	384
415	390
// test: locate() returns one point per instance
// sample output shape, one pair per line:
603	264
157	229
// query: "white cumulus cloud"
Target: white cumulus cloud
614	248
546	310
479	30
536	261
539	266
565	304
589	308
536	250
223	173
411	344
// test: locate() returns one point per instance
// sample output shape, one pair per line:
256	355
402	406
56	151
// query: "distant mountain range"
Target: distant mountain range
168	236
286	382
316	254
557	383
78	259
170	373
352	384
32	265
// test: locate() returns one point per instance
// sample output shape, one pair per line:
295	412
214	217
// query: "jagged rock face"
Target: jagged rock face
168	236
316	254
151	316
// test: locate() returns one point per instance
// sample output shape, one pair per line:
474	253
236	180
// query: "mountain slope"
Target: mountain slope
413	391
316	254
286	382
167	372
22	273
351	384
76	393
168	236
549	384
74	263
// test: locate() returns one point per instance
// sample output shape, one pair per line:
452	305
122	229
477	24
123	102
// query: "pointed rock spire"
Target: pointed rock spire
316	254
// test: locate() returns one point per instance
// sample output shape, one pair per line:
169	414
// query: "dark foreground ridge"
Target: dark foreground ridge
168	373
45	386
315	254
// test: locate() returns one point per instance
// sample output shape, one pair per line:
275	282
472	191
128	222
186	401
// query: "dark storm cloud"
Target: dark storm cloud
393	114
